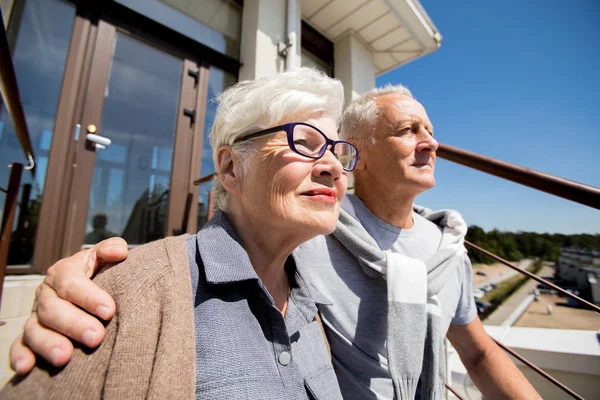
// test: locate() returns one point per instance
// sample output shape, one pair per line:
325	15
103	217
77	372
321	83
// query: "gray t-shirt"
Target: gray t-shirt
356	322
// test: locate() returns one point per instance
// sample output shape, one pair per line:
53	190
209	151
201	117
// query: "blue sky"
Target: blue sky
519	81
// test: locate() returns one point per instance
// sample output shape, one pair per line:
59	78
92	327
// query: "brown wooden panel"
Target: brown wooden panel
196	156
53	211
184	132
86	154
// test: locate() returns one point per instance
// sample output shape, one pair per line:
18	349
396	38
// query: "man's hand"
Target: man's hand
56	311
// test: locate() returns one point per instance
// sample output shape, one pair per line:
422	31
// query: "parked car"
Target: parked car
478	293
488	287
545	289
481	273
482	306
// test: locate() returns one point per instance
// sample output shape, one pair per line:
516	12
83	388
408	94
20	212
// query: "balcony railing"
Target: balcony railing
567	189
12	101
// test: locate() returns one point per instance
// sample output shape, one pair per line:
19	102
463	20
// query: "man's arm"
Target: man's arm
58	311
496	376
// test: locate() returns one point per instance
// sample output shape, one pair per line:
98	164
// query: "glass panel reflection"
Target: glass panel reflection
39	59
130	187
217	82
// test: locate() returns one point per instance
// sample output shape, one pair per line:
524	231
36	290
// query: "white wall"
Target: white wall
353	66
17	300
264	26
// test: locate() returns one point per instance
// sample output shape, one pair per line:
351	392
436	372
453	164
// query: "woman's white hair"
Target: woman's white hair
250	106
361	117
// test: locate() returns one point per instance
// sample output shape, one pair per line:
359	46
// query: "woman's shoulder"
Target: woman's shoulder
152	266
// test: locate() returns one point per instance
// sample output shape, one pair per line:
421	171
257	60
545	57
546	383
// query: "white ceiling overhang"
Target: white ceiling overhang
395	31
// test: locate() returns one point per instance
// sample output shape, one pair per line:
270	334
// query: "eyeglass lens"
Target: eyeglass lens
310	142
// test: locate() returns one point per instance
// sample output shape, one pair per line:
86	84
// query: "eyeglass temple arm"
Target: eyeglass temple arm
260	133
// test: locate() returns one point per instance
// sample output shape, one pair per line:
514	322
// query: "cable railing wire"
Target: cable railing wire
539	371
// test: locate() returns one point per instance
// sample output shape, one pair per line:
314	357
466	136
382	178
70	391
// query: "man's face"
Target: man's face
403	155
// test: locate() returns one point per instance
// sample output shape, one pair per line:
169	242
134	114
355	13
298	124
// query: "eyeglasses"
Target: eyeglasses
309	141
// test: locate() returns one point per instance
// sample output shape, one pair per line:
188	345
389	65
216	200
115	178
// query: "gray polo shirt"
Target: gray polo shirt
245	348
356	322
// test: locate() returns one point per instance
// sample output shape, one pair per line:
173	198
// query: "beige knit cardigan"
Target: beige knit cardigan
149	347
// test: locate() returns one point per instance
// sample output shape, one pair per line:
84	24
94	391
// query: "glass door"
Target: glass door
136	140
130	183
44	29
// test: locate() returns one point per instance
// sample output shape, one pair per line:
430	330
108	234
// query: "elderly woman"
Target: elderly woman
231	292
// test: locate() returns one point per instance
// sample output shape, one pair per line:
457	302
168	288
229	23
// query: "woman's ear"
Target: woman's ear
226	168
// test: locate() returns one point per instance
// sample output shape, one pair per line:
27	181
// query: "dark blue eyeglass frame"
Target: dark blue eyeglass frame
289	130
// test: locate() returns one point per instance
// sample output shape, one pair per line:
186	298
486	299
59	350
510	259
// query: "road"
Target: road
505	310
509	273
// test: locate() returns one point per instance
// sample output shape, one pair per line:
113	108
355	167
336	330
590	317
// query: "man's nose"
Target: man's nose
428	143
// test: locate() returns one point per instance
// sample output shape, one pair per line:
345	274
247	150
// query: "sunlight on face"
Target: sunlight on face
284	190
403	155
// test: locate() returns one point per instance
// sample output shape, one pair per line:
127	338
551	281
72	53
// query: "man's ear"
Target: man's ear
360	163
226	168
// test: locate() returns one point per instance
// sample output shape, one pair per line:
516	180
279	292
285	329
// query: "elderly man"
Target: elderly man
398	275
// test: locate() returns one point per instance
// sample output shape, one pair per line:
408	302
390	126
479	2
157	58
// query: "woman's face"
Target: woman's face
288	192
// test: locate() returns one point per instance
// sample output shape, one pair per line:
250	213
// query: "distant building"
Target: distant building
581	267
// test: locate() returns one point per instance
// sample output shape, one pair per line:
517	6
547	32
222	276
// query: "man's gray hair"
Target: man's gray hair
250	106
361	117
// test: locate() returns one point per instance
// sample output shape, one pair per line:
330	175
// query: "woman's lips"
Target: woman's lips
324	195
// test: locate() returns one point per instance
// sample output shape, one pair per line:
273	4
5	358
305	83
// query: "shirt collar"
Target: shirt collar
226	261
224	258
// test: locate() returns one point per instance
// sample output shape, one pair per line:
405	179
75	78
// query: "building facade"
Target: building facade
118	98
581	268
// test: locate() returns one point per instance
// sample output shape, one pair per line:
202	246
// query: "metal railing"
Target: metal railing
561	187
12	101
8	216
567	189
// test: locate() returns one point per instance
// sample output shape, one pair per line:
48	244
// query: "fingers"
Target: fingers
70	280
54	347
55	312
65	318
109	251
22	359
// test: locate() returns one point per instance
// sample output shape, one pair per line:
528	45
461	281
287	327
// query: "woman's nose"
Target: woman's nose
328	165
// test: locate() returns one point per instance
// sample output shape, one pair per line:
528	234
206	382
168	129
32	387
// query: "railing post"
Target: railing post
10	206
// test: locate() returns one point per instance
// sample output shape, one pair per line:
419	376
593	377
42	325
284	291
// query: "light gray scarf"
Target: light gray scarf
414	338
